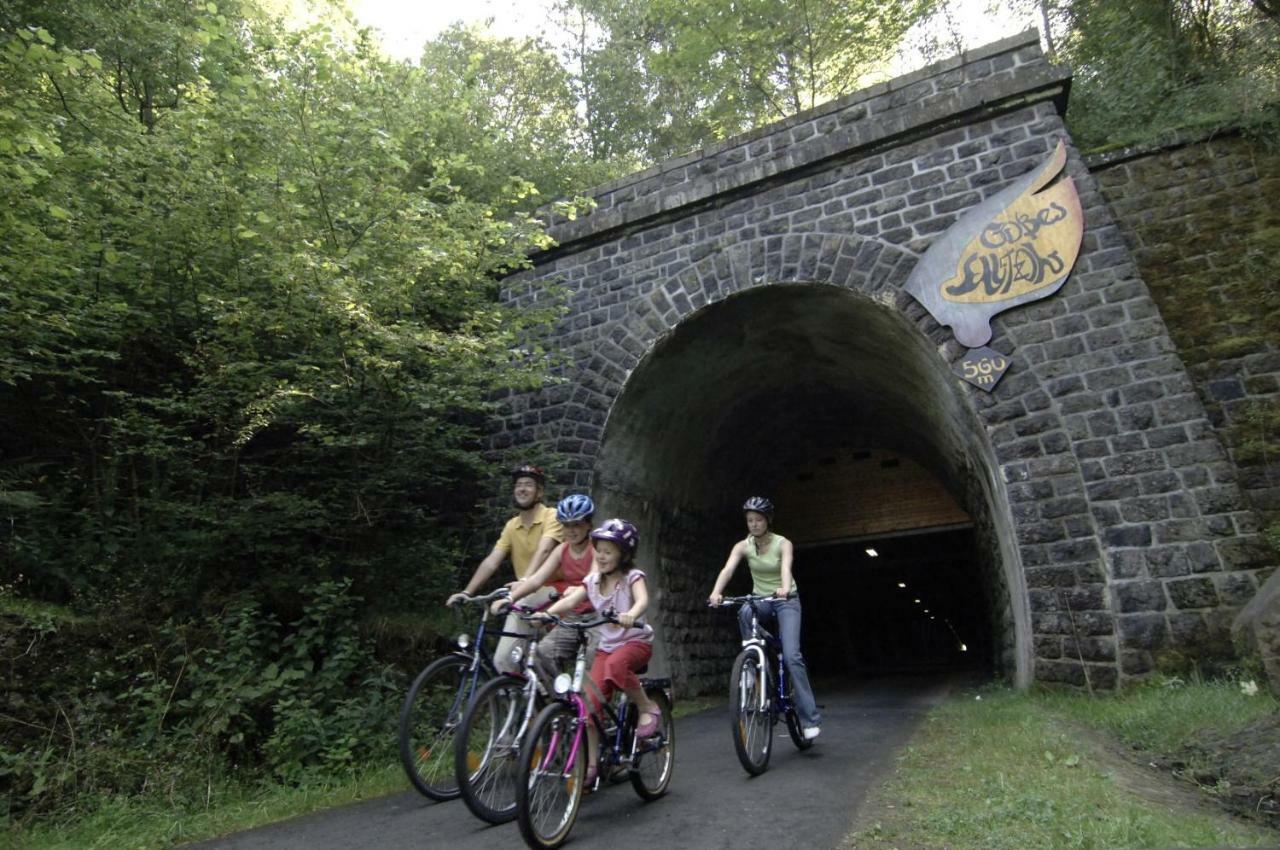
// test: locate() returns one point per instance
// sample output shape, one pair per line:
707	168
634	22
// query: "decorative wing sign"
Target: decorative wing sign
1016	247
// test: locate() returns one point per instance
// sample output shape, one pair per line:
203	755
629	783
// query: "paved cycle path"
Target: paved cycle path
805	799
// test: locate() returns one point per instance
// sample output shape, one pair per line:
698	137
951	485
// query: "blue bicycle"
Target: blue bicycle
760	693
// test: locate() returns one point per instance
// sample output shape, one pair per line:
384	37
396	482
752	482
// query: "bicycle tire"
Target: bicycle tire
428	719
487	747
654	759
750	713
549	783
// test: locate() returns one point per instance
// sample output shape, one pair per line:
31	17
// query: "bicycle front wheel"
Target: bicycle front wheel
654	757
486	748
750	709
430	715
553	767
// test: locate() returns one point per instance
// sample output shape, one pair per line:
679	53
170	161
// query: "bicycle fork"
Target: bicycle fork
756	646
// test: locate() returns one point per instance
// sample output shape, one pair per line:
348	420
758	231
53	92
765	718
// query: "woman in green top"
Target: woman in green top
769	557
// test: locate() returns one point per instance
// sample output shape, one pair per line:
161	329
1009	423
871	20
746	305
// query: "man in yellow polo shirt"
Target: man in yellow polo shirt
527	538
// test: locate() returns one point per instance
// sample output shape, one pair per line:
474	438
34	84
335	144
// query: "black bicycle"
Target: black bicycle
435	704
760	693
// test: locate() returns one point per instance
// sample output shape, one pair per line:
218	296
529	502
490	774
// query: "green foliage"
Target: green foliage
249	343
249	337
1143	70
515	112
659	77
193	703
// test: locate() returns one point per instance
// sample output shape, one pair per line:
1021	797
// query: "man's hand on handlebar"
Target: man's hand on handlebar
715	599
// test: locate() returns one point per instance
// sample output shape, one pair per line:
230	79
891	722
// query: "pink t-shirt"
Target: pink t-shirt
619	601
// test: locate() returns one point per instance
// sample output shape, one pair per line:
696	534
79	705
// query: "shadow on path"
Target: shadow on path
805	799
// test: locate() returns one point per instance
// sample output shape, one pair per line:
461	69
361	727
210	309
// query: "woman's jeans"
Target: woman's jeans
782	617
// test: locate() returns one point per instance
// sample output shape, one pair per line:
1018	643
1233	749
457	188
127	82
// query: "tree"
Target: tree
249	340
514	111
1149	68
665	76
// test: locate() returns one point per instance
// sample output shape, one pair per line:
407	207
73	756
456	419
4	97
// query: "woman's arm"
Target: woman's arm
569	601
639	602
784	590
726	573
533	580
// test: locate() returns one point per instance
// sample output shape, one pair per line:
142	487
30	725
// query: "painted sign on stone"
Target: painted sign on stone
983	367
1016	247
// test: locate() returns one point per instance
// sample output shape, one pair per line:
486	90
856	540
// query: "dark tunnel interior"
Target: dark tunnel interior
916	605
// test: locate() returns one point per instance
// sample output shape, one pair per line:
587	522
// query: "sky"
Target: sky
406	24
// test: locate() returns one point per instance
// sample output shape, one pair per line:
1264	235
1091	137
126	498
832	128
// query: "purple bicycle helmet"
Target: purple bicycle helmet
575	507
621	532
760	505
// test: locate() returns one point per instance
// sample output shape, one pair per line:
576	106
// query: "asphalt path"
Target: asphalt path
804	799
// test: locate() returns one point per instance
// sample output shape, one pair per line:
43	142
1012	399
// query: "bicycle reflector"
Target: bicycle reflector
464	640
563	682
517	653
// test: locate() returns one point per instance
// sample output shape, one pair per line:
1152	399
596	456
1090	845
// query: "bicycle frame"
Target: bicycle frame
613	744
767	648
478	653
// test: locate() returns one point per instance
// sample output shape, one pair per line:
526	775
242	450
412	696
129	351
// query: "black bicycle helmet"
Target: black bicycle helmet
760	505
528	470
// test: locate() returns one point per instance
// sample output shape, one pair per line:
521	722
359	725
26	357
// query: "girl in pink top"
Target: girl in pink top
564	569
625	647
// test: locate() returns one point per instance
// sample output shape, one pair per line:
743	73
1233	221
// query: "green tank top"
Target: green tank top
766	569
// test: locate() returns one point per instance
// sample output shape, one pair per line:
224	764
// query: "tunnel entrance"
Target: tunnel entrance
909	602
780	390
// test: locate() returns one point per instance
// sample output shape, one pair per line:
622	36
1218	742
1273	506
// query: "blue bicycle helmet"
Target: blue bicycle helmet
575	507
760	505
621	532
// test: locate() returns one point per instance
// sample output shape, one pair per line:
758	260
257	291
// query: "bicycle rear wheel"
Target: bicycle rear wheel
553	767
429	717
486	748
654	757
750	713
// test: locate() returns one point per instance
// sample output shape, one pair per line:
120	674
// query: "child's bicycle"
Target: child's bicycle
760	693
487	742
553	759
435	703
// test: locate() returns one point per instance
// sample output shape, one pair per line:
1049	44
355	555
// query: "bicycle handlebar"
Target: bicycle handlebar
749	599
502	592
605	618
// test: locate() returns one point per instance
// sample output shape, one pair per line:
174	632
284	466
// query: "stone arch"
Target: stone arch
817	323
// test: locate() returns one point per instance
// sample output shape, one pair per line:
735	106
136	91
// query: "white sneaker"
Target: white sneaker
811	732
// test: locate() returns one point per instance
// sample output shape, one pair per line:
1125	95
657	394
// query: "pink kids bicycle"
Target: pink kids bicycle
551	777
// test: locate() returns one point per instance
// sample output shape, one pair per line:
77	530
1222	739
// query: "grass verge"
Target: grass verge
147	823
1003	769
161	822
